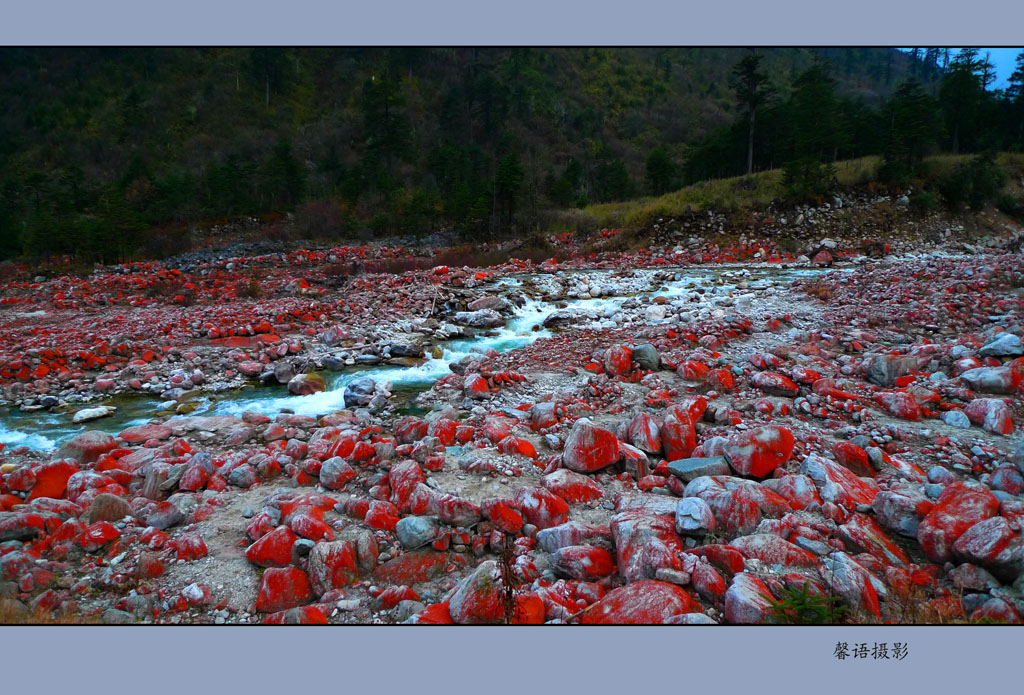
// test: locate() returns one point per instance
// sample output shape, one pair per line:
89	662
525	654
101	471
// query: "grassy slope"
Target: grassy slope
741	192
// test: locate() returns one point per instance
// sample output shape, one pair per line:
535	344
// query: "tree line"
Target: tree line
97	154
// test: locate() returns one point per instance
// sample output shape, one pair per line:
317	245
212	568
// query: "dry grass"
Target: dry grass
15	613
741	192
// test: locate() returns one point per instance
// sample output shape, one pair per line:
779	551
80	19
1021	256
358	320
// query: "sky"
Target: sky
1003	58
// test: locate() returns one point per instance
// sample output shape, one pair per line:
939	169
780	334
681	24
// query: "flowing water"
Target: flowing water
45	430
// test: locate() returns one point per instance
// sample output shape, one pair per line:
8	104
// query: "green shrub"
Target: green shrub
975	182
801	607
807	179
924	202
1010	205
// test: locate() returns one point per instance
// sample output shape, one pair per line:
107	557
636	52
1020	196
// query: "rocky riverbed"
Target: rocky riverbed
688	434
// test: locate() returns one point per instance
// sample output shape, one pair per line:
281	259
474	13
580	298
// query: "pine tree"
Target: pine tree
661	171
1015	95
913	127
753	91
961	95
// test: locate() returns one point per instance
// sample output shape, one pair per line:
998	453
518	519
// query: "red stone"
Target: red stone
644	602
678	434
52	480
590	448
382	515
957	509
760	451
274	549
540	507
618	360
573	487
332	566
281	589
582	562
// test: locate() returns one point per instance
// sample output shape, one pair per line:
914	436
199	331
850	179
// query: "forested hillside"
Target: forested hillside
103	150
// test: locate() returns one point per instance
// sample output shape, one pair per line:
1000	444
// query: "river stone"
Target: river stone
485	318
416	531
646	357
305	384
688	469
87	414
1005	344
359	392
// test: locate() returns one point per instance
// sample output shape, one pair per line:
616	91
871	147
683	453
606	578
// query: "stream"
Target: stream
45	430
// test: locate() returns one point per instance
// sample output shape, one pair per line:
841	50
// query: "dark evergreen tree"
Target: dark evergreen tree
753	90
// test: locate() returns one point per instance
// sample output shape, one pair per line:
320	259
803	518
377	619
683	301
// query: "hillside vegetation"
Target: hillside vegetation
113	153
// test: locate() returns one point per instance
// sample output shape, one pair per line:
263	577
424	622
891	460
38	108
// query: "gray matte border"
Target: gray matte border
521	659
520	22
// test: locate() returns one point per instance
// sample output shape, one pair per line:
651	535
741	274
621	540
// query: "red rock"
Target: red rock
274	549
837	484
678	434
478	599
336	472
957	509
693	371
582	562
618	360
530	610
52	480
382	515
803	375
572	487
403	478
410	430
502	515
394	595
992	379
98	535
721	380
590	448
798	490
332	566
304	615
188	547
644	544
497	427
853	457
993	544
861	534
998	611
517	445
900	404
149	567
851	580
454	510
436	614
645	433
444	429
901	510
475	386
775	384
416	566
760	451
362	451
281	589
992	414
142	433
644	602
540	507
87	446
748	601
773	550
